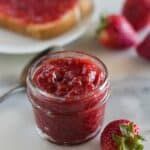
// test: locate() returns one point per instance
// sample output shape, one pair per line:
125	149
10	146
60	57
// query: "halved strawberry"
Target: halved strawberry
137	13
115	32
143	48
121	135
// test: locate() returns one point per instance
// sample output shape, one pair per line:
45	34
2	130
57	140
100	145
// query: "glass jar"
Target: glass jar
71	121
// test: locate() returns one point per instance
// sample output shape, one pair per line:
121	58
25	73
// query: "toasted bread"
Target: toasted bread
49	29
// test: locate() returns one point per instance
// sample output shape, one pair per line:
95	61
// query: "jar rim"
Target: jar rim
32	85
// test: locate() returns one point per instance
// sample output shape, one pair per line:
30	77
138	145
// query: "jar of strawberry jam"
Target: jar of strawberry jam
68	91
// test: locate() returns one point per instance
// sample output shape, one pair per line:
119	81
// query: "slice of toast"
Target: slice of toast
50	29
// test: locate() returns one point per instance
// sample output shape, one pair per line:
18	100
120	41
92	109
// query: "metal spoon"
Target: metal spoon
22	81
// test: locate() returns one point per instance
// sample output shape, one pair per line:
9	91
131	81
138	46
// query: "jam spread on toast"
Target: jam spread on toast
36	11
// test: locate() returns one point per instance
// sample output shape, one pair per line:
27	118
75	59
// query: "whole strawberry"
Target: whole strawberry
143	48
121	135
137	13
115	32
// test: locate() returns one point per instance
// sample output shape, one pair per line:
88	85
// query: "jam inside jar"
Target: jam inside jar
68	91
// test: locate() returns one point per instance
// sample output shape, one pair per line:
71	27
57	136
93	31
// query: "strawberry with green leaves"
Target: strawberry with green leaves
121	135
116	32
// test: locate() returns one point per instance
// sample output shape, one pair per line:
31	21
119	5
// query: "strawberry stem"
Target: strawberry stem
102	24
128	140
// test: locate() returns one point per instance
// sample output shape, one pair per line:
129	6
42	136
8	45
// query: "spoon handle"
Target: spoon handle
22	84
11	91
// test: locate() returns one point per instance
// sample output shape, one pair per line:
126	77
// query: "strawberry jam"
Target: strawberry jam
36	11
68	91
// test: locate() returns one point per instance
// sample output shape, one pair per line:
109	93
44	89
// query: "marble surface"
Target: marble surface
16	122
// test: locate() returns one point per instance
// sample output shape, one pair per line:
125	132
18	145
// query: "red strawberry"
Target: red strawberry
121	135
137	12
115	32
144	48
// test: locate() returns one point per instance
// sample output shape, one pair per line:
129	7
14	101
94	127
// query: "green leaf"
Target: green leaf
123	145
131	127
124	130
128	140
140	137
102	24
140	147
120	142
117	139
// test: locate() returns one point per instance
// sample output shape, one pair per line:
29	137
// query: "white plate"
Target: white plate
17	127
12	43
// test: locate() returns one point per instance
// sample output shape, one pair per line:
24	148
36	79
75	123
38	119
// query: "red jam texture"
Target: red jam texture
36	11
68	77
75	110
